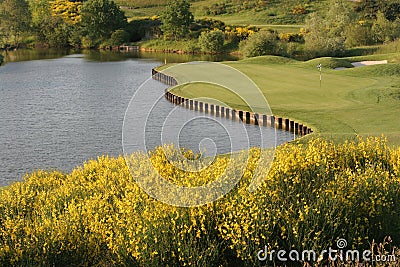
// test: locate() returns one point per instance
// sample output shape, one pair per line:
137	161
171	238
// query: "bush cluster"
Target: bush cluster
259	44
315	193
212	41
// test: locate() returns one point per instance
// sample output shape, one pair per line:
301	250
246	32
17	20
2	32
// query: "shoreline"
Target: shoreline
182	52
229	113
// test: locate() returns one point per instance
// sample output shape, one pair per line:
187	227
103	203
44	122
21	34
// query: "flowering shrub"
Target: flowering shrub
314	194
69	11
299	10
291	37
236	34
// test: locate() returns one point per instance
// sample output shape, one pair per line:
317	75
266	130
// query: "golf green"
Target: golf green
364	100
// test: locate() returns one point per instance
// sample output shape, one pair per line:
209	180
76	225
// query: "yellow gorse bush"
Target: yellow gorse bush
239	33
314	194
69	11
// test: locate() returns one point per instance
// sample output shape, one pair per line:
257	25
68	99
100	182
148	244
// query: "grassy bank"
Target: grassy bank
171	46
351	101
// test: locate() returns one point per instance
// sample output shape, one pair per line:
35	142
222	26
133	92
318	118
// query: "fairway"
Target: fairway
363	101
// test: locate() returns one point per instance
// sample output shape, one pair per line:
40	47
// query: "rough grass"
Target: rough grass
361	100
160	44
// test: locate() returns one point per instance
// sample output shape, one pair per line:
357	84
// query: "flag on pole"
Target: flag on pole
319	66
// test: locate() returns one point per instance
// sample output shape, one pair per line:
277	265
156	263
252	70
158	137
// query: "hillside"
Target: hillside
254	12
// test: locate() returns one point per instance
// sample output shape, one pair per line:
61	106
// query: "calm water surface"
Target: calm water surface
57	112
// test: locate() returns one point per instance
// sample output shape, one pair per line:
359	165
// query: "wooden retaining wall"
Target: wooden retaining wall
225	112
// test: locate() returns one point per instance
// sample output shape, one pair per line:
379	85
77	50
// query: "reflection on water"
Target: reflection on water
36	54
55	114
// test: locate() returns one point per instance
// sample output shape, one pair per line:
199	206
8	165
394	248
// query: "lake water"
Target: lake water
59	109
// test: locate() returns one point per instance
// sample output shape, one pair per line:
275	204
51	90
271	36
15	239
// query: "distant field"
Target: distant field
134	13
362	100
141	3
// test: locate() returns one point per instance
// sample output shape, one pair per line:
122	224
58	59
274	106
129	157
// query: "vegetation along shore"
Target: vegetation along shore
296	29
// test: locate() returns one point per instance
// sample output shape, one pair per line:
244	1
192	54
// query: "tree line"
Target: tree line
94	23
60	23
330	32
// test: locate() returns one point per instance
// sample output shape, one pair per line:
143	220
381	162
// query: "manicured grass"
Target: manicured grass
362	100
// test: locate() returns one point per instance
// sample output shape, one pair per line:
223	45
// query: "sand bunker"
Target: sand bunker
365	63
368	63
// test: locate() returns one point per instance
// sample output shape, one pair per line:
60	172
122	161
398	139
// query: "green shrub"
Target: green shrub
260	44
215	9
212	41
359	35
384	30
119	37
191	46
87	42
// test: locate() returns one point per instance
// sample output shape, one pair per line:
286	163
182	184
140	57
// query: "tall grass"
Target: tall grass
391	47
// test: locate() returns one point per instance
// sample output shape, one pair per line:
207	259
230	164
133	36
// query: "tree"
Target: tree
100	18
326	32
384	30
369	8
392	12
211	41
15	19
55	22
359	34
176	19
320	41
